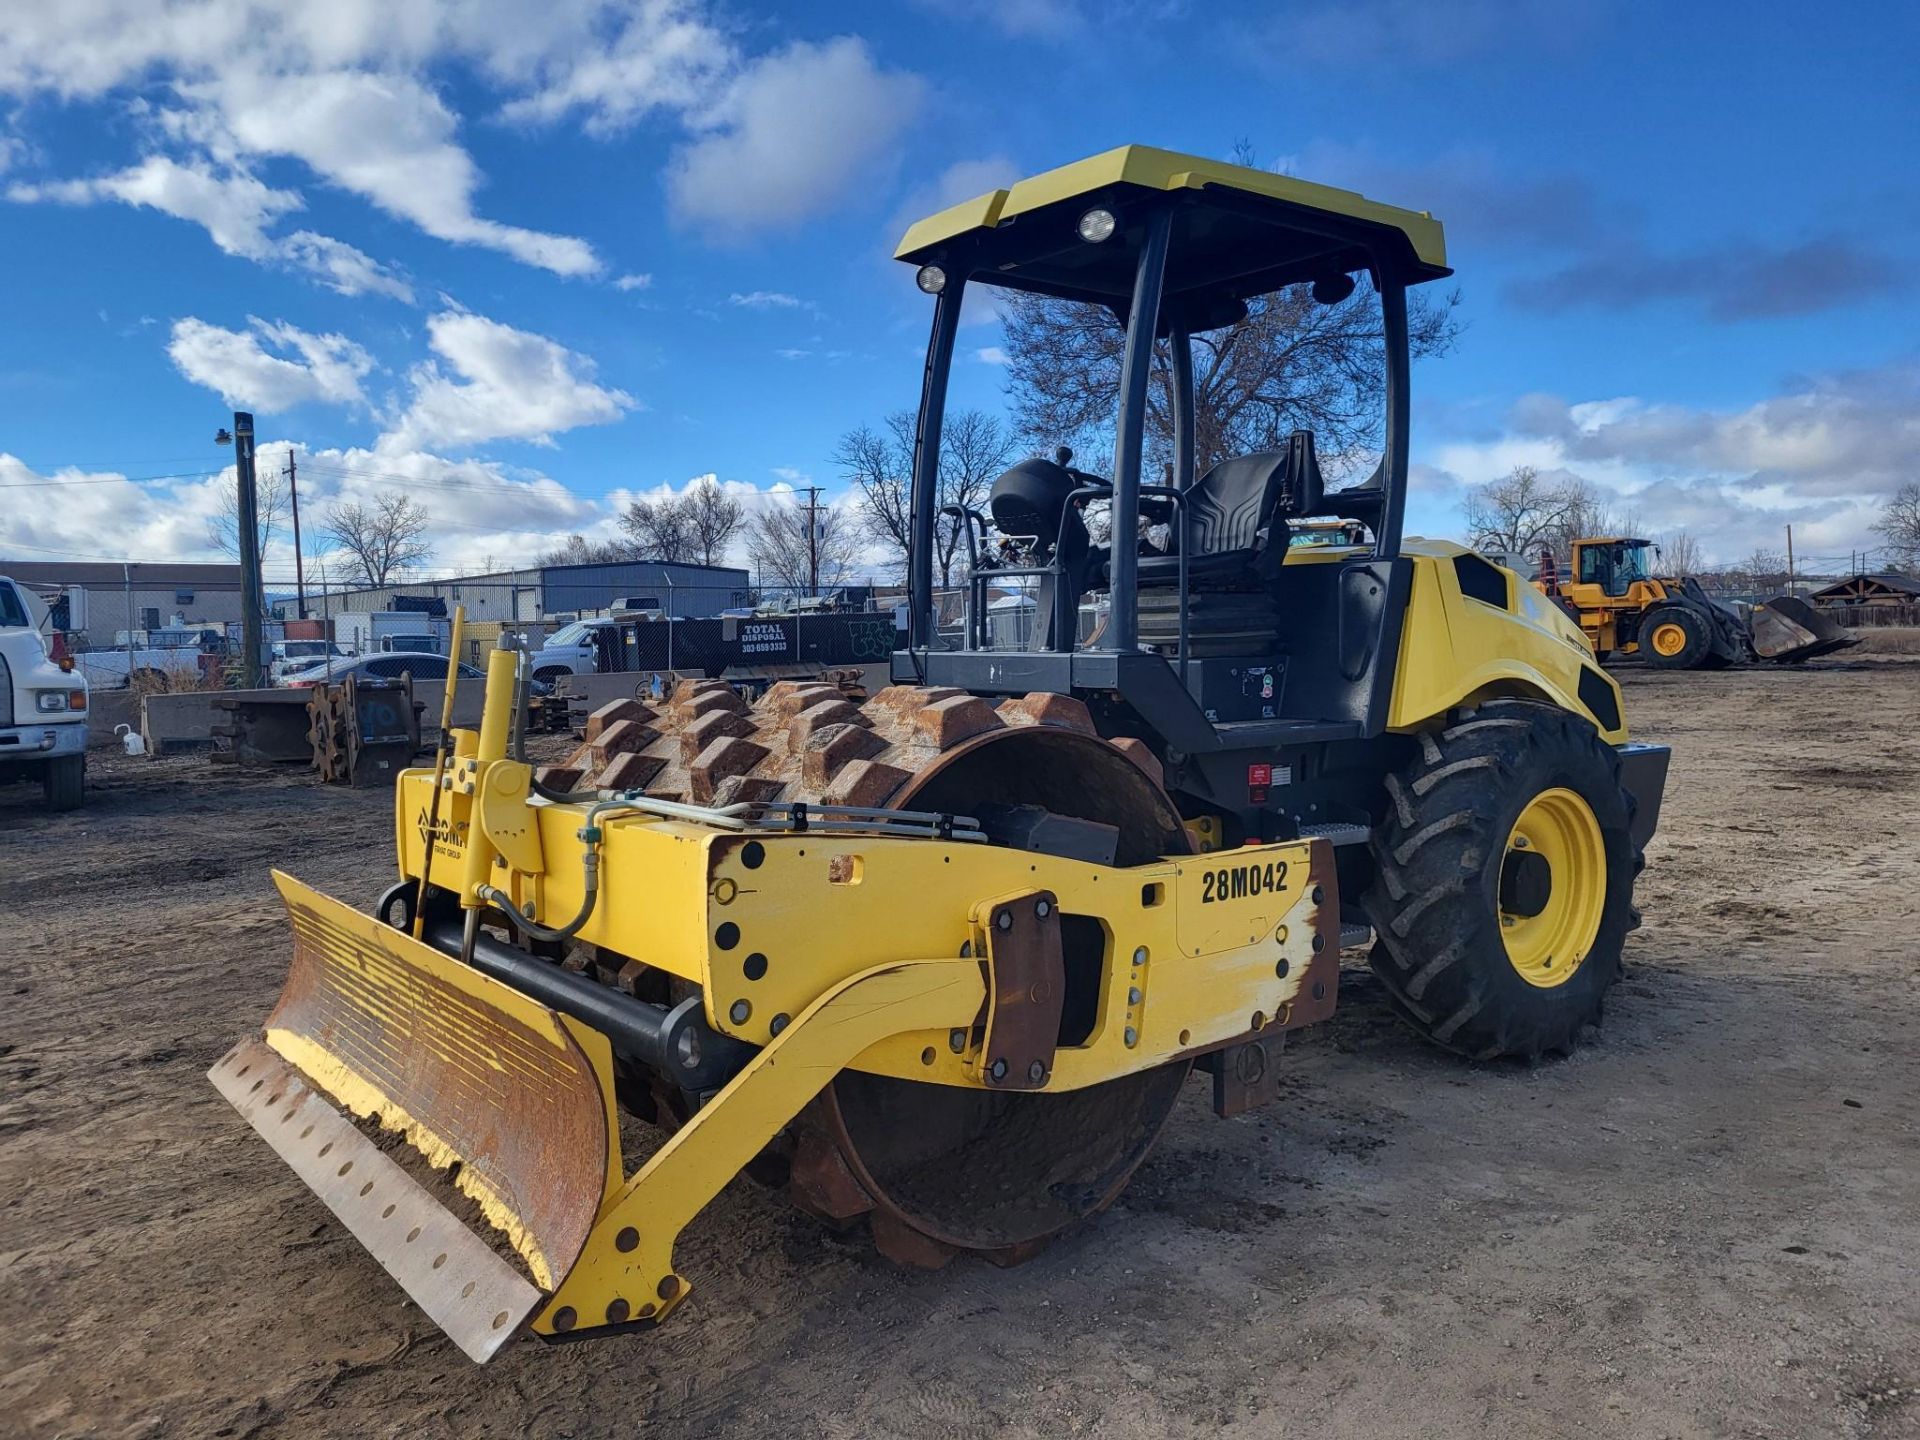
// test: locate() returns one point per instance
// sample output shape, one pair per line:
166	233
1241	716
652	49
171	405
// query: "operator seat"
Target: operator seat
1238	511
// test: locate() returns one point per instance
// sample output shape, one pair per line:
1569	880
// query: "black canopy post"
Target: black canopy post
1123	627
925	497
1393	466
1184	440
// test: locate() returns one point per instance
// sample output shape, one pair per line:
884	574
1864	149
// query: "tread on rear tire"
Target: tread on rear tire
1694	655
1436	900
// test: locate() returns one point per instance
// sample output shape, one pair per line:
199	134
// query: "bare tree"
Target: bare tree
879	466
1681	556
1587	512
974	448
778	546
659	528
1899	526
1291	364
713	518
1518	514
578	550
383	540
270	503
1765	569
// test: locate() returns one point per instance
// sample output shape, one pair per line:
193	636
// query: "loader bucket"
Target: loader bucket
478	1078
1787	628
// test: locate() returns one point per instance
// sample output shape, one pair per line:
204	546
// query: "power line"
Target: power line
113	480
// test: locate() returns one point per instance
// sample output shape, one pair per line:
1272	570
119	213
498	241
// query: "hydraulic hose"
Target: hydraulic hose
590	833
517	743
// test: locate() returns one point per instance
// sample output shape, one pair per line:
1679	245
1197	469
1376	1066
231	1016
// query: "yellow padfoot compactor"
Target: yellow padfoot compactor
940	961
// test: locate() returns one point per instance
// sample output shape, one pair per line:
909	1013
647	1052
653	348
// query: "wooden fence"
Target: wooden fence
1862	617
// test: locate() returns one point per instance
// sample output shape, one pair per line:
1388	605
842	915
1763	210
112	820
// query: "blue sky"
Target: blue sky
525	259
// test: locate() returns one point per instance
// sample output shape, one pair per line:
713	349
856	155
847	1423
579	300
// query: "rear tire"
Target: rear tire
1673	637
1473	917
65	782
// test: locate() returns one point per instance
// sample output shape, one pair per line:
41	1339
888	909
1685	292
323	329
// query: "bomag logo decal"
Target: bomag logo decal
1243	882
444	832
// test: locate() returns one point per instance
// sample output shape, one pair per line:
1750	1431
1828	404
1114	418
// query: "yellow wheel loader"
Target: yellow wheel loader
940	962
1625	608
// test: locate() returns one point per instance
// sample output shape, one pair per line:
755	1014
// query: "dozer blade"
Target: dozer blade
472	1073
1787	628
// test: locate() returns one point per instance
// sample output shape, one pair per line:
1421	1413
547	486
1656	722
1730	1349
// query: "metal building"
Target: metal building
137	596
688	591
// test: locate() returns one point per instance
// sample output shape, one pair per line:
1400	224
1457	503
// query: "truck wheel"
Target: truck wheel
1675	638
1503	889
65	782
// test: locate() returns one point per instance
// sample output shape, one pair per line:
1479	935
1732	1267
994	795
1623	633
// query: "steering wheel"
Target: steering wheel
1063	457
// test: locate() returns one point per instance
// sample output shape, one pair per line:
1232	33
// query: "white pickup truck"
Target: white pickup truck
570	650
43	705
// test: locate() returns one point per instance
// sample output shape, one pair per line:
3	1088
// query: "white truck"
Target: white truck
374	631
570	650
43	704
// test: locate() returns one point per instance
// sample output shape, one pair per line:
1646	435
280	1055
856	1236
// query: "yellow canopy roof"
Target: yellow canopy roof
1148	168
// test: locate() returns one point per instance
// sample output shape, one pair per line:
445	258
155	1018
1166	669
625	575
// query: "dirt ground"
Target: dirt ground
1707	1224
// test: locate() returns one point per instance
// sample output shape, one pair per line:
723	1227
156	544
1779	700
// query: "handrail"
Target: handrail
1179	500
976	622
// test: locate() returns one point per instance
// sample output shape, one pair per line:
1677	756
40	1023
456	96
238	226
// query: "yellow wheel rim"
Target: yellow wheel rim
1553	888
1669	639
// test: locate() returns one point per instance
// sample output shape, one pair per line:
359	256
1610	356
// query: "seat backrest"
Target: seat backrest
1232	503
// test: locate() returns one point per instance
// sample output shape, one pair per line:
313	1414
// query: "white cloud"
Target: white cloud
1822	456
788	137
1852	432
990	355
476	509
387	138
325	84
765	300
234	207
668	57
349	90
341	267
633	282
506	384
102	515
243	368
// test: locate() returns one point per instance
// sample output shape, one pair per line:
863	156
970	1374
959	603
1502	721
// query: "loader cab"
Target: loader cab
1164	587
1614	565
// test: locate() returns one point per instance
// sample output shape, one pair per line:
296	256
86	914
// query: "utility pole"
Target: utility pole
813	541
299	566
252	595
126	576
1789	559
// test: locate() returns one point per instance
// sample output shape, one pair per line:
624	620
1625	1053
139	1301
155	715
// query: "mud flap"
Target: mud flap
463	1068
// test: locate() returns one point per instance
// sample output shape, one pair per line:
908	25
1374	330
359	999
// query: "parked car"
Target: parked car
427	669
290	657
